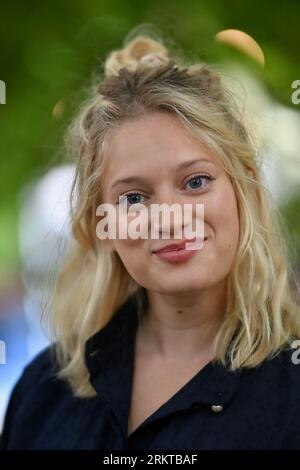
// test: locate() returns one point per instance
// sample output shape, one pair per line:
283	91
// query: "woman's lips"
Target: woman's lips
192	242
175	246
182	254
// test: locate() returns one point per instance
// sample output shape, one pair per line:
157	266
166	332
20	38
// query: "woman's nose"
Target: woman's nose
172	216
168	216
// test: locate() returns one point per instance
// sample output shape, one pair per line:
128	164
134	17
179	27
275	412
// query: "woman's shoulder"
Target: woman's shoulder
287	360
34	394
280	370
42	369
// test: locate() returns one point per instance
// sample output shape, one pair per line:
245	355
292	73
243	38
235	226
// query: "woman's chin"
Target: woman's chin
179	287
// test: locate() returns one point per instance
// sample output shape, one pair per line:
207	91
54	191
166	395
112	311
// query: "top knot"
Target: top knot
144	52
140	50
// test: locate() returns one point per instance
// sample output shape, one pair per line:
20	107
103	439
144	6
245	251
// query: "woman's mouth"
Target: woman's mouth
181	253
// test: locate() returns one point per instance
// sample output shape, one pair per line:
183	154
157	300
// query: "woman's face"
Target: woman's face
154	151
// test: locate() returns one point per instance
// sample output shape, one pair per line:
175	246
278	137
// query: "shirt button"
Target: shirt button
217	408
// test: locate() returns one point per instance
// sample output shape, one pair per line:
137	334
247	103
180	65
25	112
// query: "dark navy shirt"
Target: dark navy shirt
256	408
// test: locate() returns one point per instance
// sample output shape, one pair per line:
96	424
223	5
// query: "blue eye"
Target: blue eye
134	198
197	180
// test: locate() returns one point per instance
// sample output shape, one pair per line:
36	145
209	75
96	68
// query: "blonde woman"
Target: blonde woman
157	346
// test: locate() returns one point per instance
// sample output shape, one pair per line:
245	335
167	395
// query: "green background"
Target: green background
49	49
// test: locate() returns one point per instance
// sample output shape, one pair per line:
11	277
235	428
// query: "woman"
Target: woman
156	350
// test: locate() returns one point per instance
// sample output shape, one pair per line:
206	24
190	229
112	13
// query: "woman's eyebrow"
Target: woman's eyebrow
140	179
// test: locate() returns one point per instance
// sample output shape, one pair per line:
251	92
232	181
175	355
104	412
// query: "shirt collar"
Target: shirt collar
109	357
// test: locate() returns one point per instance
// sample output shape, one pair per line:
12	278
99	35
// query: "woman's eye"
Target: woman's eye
132	198
136	198
197	181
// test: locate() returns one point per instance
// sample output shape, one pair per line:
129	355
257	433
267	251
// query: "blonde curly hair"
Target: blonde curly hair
143	76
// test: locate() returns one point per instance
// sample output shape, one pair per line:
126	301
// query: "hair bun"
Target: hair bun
140	50
207	78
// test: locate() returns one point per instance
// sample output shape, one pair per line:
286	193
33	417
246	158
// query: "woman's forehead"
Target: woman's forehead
156	141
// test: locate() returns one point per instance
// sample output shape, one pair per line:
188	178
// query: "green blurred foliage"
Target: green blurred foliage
49	49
